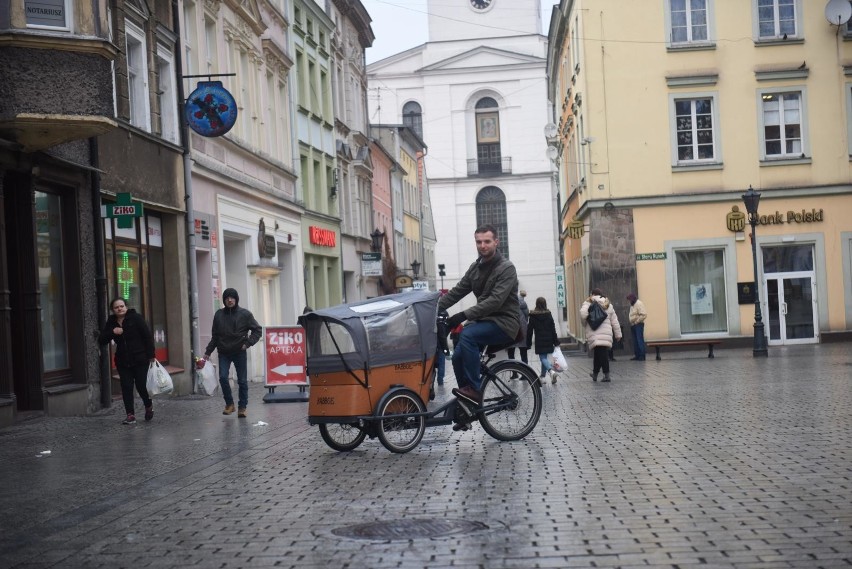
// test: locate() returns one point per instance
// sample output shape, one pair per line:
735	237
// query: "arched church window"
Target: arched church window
491	209
412	117
488	153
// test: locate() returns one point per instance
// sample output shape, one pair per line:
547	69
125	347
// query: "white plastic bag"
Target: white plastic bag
207	380
159	380
559	363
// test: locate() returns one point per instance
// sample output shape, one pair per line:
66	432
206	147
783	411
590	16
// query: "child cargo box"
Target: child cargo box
356	351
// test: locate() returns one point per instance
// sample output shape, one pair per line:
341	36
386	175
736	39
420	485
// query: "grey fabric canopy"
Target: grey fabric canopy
386	330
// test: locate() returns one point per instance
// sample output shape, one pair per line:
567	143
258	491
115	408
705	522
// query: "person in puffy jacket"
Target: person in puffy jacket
600	340
234	331
134	352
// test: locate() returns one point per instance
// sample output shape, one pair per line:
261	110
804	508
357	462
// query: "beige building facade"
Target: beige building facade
662	125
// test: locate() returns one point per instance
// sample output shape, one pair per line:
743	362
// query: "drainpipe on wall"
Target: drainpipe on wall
190	211
101	292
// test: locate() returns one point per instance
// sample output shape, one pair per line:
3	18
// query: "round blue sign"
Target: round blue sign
210	110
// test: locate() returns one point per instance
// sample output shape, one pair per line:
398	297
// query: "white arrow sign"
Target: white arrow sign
286	370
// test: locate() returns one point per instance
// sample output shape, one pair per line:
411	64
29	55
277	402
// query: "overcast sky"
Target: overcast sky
401	24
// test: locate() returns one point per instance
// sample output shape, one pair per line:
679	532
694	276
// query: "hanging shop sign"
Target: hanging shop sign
210	110
124	210
403	281
371	264
576	229
266	246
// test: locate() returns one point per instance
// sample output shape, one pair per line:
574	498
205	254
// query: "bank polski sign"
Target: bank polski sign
560	285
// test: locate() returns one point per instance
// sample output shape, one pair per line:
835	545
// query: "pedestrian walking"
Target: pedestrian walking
637	316
525	321
234	331
600	339
134	353
543	328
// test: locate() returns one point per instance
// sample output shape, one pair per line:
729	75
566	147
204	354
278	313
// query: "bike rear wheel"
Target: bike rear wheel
518	399
398	430
342	437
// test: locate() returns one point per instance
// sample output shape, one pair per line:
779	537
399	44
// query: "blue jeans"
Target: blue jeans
639	340
545	364
466	353
239	360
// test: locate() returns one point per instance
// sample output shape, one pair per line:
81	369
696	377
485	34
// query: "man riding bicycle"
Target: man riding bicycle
494	319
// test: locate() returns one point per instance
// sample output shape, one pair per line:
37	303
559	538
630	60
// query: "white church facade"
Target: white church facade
476	91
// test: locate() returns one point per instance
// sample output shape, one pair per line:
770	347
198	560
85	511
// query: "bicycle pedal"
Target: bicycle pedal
464	405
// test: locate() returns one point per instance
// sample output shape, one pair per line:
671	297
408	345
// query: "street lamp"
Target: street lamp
415	268
442	273
751	199
377	238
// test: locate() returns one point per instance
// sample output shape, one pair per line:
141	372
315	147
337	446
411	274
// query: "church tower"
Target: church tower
468	19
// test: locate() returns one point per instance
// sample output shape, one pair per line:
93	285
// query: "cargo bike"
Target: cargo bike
371	367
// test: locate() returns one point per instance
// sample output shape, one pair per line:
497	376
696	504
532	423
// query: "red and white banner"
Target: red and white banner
285	355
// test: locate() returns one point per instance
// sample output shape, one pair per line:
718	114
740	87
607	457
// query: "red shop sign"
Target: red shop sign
322	237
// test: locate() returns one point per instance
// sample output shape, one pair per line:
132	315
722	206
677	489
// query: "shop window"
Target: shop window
701	291
136	272
51	275
788	259
54	15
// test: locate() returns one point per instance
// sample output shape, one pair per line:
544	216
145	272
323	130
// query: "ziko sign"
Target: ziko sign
285	355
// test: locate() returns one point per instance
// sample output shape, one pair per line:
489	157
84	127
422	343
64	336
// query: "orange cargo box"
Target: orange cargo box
339	394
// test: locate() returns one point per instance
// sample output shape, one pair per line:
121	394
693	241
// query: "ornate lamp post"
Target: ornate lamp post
751	200
415	268
377	238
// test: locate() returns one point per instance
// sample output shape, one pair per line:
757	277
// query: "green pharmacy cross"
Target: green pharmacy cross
124	210
126	274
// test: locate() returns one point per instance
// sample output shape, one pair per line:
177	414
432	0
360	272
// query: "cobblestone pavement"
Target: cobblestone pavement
686	462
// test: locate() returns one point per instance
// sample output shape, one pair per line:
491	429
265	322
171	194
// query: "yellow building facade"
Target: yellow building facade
664	118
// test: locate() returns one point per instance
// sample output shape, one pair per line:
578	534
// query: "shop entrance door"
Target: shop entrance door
792	310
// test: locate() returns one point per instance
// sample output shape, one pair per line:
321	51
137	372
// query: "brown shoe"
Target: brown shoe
229	409
241	413
468	393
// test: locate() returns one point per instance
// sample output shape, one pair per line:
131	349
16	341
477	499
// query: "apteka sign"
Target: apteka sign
285	355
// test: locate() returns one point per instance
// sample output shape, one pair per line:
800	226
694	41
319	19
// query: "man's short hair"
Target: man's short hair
485	228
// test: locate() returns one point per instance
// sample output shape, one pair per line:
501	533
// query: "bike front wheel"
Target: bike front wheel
400	426
514	391
342	437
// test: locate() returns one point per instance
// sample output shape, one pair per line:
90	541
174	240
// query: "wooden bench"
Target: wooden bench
657	344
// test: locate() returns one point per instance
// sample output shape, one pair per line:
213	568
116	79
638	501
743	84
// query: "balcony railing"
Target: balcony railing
489	166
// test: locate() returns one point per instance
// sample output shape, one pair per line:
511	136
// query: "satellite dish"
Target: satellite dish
838	12
550	130
552	153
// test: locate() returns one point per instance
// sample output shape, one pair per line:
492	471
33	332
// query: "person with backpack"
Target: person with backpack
601	323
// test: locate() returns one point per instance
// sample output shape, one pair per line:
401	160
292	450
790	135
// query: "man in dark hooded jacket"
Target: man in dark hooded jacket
234	331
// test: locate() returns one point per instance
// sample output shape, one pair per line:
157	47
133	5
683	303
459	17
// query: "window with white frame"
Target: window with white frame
189	37
167	95
689	21
52	15
849	117
211	44
137	77
777	19
782	128
694	129
701	291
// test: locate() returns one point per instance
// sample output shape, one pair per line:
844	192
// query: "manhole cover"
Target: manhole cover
396	530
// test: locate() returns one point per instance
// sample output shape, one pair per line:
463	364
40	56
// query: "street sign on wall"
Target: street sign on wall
285	355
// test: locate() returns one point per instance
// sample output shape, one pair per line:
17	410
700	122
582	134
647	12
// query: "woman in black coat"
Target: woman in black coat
134	352
544	328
